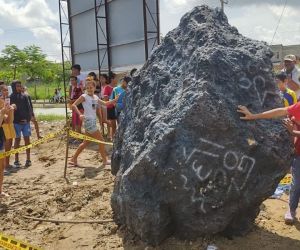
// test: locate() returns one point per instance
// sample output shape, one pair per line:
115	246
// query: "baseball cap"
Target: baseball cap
291	58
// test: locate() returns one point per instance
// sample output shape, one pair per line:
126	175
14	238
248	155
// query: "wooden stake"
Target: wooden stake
68	221
67	148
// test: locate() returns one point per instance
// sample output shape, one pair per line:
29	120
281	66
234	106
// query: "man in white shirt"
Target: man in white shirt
292	73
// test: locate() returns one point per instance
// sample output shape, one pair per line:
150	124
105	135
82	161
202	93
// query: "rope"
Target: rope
67	221
279	21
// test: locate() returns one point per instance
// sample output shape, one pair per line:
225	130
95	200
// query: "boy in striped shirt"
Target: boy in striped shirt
289	96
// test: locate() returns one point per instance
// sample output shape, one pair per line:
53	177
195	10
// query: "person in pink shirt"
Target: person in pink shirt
111	112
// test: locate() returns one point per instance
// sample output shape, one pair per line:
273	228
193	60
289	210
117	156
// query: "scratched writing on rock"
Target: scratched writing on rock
258	83
211	163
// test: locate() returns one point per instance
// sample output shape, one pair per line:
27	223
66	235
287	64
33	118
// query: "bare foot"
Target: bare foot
73	162
106	163
4	195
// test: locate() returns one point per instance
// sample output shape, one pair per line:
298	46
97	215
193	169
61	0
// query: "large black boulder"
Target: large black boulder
185	164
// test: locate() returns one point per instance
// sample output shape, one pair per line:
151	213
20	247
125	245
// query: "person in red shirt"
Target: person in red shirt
104	82
111	112
292	124
75	93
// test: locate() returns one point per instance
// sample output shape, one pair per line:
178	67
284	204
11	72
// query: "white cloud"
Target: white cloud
178	2
36	16
33	13
176	6
254	19
288	12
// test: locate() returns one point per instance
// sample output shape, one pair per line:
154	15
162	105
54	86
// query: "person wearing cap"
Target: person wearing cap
288	96
120	91
292	73
292	124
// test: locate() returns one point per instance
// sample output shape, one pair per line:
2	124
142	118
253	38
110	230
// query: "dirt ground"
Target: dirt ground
41	191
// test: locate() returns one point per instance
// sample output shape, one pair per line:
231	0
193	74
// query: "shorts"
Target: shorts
111	114
9	131
25	129
90	125
76	118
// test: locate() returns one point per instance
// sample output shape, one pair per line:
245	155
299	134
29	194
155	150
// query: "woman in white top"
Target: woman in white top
90	103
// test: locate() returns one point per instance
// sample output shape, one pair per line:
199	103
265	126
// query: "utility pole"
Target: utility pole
222	4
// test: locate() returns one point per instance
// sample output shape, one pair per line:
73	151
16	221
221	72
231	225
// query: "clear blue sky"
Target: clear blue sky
25	22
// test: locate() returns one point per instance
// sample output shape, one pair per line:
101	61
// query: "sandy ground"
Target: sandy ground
41	191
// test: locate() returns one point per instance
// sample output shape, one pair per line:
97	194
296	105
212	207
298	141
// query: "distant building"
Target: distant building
280	51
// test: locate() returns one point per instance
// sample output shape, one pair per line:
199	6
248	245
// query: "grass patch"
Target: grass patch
43	91
50	118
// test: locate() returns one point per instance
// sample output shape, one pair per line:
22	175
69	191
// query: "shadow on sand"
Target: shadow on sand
257	239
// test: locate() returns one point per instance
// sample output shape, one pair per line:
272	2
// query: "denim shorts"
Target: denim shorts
90	125
295	186
24	129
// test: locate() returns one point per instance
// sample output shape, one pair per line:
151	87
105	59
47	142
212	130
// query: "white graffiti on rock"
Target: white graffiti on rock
233	168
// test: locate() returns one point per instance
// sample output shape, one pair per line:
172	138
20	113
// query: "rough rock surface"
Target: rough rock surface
186	164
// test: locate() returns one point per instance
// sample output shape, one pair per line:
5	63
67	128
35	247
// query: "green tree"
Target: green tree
52	72
13	58
29	63
35	61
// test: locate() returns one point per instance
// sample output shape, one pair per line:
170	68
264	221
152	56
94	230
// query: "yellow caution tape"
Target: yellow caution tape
286	180
10	243
51	136
88	138
44	139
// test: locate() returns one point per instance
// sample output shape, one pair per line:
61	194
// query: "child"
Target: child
110	111
289	96
293	126
93	76
90	104
107	89
74	95
8	125
120	91
3	113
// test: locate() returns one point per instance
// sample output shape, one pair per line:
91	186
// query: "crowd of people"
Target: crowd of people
91	99
100	99
289	85
107	88
16	113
